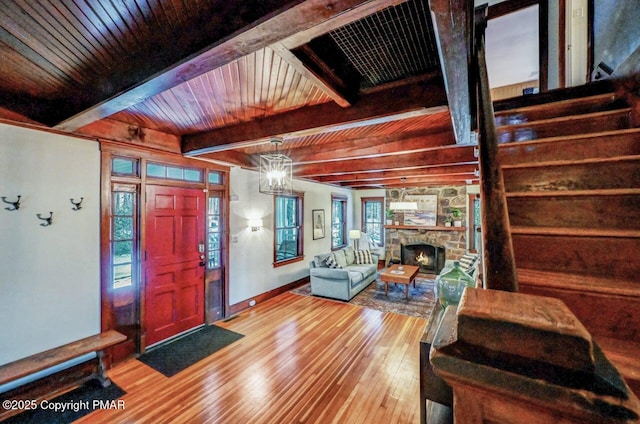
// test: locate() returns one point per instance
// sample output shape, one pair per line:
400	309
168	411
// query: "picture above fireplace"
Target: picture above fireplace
426	213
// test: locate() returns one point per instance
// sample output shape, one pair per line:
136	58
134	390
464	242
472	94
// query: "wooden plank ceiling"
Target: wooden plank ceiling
353	87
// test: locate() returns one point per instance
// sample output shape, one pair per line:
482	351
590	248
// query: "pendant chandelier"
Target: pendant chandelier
276	176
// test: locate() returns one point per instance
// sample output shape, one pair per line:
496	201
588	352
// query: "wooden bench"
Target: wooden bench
43	360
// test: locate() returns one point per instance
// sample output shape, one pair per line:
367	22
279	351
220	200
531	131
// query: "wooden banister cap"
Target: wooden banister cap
535	337
534	327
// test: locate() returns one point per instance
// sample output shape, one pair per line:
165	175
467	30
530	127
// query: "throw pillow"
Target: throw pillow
340	257
467	261
320	261
331	262
349	255
363	257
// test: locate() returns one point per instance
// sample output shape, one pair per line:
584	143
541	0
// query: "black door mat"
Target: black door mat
177	355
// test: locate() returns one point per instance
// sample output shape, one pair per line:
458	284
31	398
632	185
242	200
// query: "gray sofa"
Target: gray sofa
345	282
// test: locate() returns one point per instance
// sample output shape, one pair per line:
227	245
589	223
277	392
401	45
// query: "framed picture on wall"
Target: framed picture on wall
317	216
426	213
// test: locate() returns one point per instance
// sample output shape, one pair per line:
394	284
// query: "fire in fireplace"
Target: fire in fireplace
423	259
429	257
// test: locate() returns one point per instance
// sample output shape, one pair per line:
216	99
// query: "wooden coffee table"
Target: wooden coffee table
399	274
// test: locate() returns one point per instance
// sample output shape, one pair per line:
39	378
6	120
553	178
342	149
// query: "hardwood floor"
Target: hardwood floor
302	360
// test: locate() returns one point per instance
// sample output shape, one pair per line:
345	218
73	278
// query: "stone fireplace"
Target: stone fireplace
429	257
452	239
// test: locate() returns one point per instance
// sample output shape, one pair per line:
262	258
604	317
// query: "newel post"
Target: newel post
515	358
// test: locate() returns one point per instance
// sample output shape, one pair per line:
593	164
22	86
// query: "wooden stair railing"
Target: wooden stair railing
499	263
557	195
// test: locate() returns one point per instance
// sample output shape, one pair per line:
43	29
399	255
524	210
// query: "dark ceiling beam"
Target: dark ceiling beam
452	20
233	40
433	183
422	98
414	182
407	81
363	148
346	83
299	66
233	158
416	172
439	156
356	148
132	134
370	148
366	9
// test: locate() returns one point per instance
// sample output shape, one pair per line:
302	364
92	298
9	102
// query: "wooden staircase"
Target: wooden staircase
573	195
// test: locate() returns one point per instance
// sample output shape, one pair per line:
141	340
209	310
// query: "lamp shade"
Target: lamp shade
403	206
354	234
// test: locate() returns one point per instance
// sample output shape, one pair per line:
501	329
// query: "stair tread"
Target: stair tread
592	98
600	144
576	193
568	107
551	96
576	232
561	119
578	282
610	133
565	162
623	354
559	138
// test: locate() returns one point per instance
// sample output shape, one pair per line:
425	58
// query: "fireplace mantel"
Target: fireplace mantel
424	227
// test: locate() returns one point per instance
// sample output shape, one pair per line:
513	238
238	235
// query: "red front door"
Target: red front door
174	293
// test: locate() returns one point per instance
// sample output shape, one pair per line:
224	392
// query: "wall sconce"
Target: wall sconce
255	224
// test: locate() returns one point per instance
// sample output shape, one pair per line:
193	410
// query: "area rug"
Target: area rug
420	303
173	357
79	402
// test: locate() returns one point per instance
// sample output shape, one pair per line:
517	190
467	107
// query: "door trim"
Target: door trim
110	149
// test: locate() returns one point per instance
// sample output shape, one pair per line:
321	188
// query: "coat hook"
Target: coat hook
77	205
49	219
16	204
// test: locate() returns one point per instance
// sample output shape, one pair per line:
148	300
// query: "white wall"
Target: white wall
553	67
576	38
50	276
251	270
512	48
